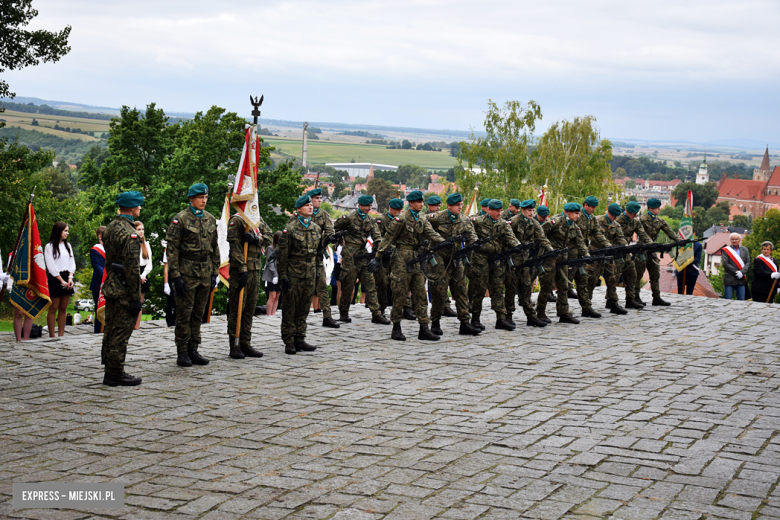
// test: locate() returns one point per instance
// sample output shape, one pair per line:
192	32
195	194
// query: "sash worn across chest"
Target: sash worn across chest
735	257
768	263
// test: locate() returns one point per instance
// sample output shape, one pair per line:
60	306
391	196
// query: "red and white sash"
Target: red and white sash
100	249
735	257
768	263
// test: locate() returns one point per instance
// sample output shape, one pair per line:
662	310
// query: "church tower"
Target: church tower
703	176
763	173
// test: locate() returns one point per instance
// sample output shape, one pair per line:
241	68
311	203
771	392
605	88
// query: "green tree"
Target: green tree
407	172
382	190
339	188
621	173
766	228
406	145
630	185
704	195
743	221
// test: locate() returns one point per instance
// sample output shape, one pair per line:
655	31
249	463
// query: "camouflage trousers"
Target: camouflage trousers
321	289
639	267
546	279
119	326
453	278
297	301
654	268
612	271
402	282
525	287
190	308
352	271
482	277
382	282
251	292
511	281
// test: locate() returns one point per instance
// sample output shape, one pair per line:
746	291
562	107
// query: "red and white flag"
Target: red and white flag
543	196
224	247
244	197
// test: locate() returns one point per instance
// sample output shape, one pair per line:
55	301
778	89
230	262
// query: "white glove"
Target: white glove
739	275
775	276
167	289
275	280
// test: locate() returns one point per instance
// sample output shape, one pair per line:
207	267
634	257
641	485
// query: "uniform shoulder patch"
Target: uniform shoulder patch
343	216
133	236
284	231
379	221
474	219
175	221
397	218
232	223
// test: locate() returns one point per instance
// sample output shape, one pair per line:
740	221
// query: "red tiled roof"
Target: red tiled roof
772	199
674	182
741	189
774	179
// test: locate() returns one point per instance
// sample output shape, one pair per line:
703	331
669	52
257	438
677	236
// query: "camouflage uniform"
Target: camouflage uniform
653	226
613	233
351	270
631	226
122	247
253	267
193	254
405	232
299	248
484	274
526	230
508	215
448	274
594	239
561	232
382	275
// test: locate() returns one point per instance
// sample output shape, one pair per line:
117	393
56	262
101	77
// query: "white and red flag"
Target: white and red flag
244	197
224	247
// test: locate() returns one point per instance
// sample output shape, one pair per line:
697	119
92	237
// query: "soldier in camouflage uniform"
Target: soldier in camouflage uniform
299	247
486	275
594	239
562	231
511	276
611	270
653	225
193	267
434	206
121	291
449	223
245	275
527	229
382	274
512	210
630	224
359	225
405	232
483	210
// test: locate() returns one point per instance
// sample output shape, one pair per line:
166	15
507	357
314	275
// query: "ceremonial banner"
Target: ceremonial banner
471	210
244	198
684	256
543	196
30	292
224	247
100	312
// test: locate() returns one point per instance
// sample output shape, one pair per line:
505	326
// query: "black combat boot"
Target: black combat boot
301	345
660	302
615	308
590	313
533	321
196	358
289	348
543	316
502	324
475	321
572	294
345	318
249	351
436	328
397	334
568	318
409	314
449	313
510	319
380	319
426	334
117	378
466	329
235	350
330	323
640	302
552	298
632	304
183	360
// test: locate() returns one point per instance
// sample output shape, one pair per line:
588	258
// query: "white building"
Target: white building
703	177
361	169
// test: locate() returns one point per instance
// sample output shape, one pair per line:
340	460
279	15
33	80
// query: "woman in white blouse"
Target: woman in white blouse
60	266
146	265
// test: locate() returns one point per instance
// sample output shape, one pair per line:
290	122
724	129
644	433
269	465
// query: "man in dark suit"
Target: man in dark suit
97	255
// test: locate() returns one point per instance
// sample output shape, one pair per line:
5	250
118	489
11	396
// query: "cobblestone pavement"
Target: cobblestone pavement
668	413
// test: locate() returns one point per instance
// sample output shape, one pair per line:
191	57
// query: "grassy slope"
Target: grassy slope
23	120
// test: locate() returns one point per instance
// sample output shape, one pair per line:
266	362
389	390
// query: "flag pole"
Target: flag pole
772	292
19	236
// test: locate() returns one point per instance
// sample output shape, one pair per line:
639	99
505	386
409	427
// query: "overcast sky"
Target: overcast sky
657	70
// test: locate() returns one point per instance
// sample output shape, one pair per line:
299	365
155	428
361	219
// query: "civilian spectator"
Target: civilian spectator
765	275
735	263
146	265
691	272
97	256
60	267
271	277
334	276
170	304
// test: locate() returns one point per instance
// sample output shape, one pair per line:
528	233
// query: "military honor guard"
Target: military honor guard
631	225
382	274
511	276
541	216
299	247
594	239
322	219
193	268
483	206
122	288
527	229
611	271
512	210
653	225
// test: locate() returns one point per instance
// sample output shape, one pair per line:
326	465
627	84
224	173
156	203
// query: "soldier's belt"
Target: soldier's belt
194	258
301	258
404	247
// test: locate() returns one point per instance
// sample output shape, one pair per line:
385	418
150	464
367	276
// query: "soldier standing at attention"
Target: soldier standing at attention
434	206
542	213
511	278
359	226
193	267
245	275
122	288
322	219
562	231
405	232
653	225
612	270
528	229
448	224
483	206
484	274
512	210
382	274
631	224
594	239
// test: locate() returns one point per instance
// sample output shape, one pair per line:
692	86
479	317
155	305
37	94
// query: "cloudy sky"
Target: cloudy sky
656	70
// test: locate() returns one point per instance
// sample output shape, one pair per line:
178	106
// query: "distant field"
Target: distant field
23	120
327	152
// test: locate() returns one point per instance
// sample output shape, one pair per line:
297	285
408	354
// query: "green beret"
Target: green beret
572	206
542	211
198	189
633	207
415	196
495	204
434	200
590	200
130	199
365	200
514	202
484	202
528	203
396	204
454	199
314	193
653	203
614	209
302	201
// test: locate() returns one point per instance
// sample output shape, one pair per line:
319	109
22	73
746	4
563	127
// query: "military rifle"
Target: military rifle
338	235
580	263
506	256
461	255
428	254
538	261
370	256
